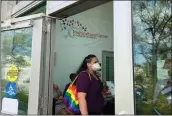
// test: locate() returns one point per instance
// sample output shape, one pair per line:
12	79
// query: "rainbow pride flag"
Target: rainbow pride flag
71	99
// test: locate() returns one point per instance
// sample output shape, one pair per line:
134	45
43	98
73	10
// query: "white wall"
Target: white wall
71	51
6	9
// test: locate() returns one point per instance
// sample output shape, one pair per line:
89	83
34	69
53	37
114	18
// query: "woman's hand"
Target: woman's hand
56	87
59	101
60	97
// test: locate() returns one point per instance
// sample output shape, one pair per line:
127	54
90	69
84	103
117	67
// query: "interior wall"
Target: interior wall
71	49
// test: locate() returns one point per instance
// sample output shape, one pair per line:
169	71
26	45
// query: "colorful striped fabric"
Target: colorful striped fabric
71	99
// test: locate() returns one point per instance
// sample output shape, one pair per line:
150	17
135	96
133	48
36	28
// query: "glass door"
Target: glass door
16	49
23	62
152	51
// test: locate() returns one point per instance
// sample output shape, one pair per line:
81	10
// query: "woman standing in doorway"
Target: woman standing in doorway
89	87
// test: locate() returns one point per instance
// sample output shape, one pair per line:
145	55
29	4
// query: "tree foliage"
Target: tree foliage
16	47
152	25
152	33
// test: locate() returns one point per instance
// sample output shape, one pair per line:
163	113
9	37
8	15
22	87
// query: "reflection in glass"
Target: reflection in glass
152	44
16	50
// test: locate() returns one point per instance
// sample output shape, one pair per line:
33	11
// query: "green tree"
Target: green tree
152	29
16	50
15	47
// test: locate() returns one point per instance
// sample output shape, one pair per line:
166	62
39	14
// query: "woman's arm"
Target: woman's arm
57	90
82	103
83	86
60	100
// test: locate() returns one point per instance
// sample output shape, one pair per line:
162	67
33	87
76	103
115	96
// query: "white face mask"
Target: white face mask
96	67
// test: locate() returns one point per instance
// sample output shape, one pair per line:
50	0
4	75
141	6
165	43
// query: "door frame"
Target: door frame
104	54
123	61
36	22
51	65
123	55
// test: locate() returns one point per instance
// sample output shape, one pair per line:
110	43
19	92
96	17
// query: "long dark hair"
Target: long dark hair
83	65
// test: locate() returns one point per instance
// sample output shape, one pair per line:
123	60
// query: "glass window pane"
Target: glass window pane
16	51
152	46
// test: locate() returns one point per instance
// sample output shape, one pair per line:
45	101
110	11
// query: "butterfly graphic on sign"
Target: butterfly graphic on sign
74	28
11	90
68	25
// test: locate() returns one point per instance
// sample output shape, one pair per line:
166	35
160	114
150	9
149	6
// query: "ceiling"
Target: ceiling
80	6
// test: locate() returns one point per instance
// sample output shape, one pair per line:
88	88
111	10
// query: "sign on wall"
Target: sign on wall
11	90
75	28
12	73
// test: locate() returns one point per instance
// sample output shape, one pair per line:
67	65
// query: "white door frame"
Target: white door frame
37	45
47	82
51	64
0	60
35	21
123	58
